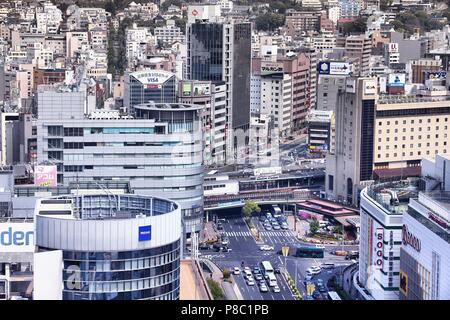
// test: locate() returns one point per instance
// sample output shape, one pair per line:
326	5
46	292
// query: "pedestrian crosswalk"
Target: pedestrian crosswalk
287	233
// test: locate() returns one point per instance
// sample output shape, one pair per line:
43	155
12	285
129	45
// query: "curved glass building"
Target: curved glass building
114	247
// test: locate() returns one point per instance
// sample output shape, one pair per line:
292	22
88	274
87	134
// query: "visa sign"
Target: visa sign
16	237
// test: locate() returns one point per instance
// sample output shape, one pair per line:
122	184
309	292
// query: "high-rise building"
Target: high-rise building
358	47
212	98
383	137
158	147
220	51
131	243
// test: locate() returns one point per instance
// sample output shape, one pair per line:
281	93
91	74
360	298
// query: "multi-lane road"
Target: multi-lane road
246	250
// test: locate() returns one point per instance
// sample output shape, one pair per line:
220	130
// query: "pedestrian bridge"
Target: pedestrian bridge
261	197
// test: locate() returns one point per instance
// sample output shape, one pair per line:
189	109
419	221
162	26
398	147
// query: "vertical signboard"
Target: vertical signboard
45	176
378	258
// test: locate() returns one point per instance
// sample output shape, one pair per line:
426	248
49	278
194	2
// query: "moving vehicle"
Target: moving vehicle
327	265
221	221
256	270
276	227
316	295
276	289
266	247
250	282
268	227
262	219
259	277
352	255
266	268
219	227
247	274
271	280
275	211
309	252
263	287
284	226
236	271
225	241
276	270
308	278
314	270
332	295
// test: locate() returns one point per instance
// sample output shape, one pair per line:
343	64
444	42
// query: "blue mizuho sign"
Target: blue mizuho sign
145	233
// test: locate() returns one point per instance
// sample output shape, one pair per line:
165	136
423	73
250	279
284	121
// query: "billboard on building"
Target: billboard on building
45	176
201	89
17	237
393	47
271	68
350	86
334	68
439	75
370	87
187	89
397	80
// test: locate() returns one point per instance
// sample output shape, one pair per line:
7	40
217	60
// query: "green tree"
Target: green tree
216	290
250	207
338	229
226	273
314	226
269	21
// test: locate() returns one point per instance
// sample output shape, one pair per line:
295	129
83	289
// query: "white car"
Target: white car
263	288
247	274
266	247
236	271
250	282
276	289
314	270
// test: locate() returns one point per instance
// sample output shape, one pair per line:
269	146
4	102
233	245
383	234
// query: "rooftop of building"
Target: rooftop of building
394	195
415	98
103	205
168	106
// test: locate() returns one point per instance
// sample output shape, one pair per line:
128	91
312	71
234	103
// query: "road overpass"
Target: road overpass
287	196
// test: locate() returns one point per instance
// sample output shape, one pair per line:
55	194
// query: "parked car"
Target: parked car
236	271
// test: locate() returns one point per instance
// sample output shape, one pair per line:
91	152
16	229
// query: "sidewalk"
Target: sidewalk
209	233
230	290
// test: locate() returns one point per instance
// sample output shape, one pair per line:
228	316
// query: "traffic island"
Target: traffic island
292	286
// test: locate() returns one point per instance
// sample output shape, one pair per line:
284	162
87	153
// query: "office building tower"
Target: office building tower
110	247
212	98
383	137
221	52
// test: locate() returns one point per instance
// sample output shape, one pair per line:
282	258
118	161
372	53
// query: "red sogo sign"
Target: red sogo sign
379	248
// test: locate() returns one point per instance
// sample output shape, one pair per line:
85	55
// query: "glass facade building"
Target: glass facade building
150	85
112	258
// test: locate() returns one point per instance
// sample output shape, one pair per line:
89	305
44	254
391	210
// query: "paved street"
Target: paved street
245	249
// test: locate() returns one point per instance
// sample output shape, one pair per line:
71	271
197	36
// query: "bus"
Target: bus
275	211
309	252
332	295
266	268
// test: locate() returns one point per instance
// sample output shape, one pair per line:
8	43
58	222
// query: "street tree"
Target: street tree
314	226
250	207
